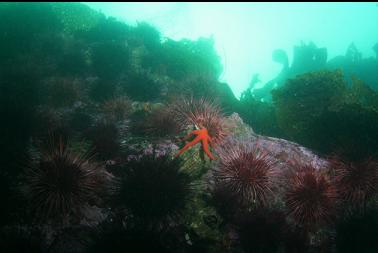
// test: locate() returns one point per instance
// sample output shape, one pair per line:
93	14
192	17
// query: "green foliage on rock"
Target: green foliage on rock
186	58
75	17
319	110
302	100
259	115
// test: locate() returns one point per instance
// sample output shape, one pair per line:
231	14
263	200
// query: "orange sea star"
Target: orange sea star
203	136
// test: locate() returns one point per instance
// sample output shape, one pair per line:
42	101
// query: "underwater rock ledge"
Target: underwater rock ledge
283	151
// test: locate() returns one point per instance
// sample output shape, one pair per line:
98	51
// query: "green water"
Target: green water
188	127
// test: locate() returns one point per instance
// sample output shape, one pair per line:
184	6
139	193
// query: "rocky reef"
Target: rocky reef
93	117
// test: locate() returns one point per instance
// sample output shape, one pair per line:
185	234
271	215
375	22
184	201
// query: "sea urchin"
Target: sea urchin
310	196
201	113
356	182
246	170
62	183
153	188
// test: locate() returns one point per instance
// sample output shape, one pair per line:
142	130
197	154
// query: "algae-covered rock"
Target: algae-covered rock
258	114
320	111
302	100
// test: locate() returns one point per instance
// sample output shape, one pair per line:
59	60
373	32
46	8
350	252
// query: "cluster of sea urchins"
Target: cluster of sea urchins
247	170
62	183
250	173
201	113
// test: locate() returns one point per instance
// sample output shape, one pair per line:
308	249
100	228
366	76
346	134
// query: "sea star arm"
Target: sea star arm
189	144
205	146
197	131
194	132
210	141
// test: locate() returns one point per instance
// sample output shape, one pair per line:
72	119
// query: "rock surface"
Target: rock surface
285	152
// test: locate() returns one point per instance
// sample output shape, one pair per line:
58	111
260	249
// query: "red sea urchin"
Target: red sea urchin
62	183
356	182
246	170
310	196
161	123
201	113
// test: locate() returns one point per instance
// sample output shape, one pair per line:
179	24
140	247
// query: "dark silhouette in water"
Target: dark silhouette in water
354	65
306	58
280	57
353	54
375	48
254	81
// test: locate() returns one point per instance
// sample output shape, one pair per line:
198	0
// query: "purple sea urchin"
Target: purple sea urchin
310	196
356	182
153	188
247	170
105	138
